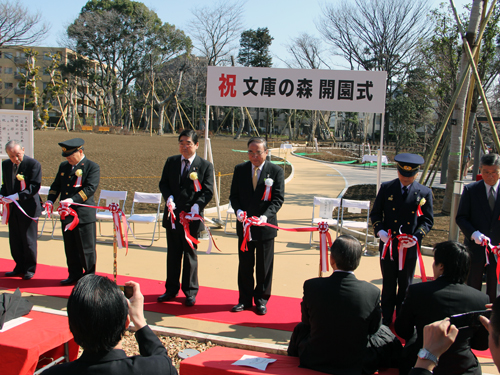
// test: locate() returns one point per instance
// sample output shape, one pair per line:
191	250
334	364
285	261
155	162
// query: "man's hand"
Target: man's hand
438	337
195	210
478	237
409	243
240	215
13	197
170	202
263	219
136	306
67	200
384	236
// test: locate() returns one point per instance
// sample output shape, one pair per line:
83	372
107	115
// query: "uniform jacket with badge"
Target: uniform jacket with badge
390	212
64	188
243	197
183	191
29	199
474	213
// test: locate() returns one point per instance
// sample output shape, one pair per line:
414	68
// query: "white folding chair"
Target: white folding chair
107	197
149	218
44	190
356	206
326	207
229	217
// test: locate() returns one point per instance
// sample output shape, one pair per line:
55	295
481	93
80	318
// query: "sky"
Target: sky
285	19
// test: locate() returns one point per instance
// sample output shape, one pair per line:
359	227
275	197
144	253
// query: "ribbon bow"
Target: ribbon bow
5	210
121	238
247	224
185	218
325	242
65	210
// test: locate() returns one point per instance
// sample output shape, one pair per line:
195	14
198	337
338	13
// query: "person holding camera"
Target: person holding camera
98	315
435	300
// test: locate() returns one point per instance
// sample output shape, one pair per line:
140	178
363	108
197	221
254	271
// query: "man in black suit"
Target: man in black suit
339	313
22	177
402	206
186	184
248	195
76	182
477	217
447	295
98	325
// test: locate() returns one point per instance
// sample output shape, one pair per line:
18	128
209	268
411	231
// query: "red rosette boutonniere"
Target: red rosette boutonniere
419	208
20	178
78	174
194	177
267	193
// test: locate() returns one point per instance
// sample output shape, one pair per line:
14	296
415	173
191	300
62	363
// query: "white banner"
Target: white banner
16	126
326	90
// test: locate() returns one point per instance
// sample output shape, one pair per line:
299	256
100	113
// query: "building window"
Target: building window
0	70
46	56
8	85
8	55
9	100
45	84
8	70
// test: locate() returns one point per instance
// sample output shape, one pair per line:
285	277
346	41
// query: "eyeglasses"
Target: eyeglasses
258	153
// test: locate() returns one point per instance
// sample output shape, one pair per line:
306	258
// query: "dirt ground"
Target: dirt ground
440	230
135	162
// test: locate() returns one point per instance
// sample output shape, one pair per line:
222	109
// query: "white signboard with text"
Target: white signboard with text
314	89
16	126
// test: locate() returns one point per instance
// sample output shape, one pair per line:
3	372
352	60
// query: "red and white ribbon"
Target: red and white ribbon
170	208
185	218
496	251
78	182
65	210
325	242
387	246
49	208
419	211
4	204
23	185
267	193
197	185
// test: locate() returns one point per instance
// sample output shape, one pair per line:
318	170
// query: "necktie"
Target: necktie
255	179
491	198
186	169
405	192
14	172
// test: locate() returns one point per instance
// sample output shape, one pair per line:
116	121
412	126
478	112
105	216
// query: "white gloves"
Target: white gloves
240	215
67	200
263	219
410	243
384	236
49	207
13	197
170	202
478	237
195	210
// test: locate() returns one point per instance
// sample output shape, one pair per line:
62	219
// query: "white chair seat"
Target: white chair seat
142	218
148	218
357	205
330	222
104	216
354	224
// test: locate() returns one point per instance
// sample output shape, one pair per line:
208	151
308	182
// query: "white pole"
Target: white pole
380	152
207	116
216	193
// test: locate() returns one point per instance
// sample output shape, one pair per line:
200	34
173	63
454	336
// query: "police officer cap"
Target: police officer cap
408	164
71	146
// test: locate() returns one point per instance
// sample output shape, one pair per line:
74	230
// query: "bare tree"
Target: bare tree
18	26
306	52
216	28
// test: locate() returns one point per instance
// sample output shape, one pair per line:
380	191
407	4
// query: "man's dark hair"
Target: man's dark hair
189	133
455	259
495	321
97	313
490	160
346	251
257	140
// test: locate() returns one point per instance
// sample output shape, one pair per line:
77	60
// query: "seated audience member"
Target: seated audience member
98	315
435	300
341	318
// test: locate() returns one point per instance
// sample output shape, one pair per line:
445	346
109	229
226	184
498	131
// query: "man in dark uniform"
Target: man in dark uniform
396	210
477	217
22	177
182	176
247	195
76	182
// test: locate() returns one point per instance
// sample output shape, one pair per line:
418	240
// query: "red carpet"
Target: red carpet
212	304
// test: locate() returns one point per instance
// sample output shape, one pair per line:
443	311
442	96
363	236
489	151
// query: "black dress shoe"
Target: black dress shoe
240	307
261	309
166	297
13	273
28	275
190	301
70	280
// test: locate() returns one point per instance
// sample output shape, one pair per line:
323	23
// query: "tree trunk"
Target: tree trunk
455	157
242	124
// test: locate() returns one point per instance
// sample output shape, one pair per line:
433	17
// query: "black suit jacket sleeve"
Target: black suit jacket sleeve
466	208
